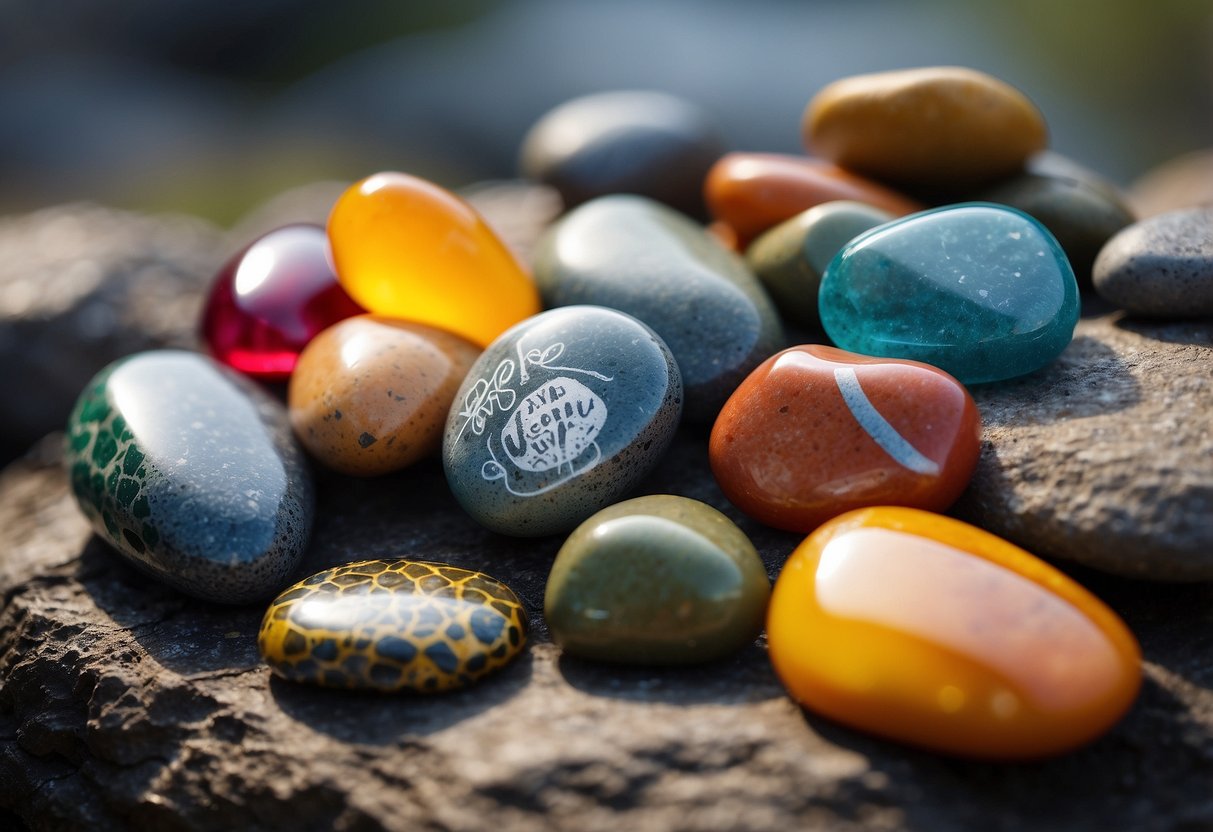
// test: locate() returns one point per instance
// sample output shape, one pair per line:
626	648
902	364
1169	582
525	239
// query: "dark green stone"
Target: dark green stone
791	258
192	474
656	580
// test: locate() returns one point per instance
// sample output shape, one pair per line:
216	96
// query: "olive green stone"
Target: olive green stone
791	257
1082	214
656	580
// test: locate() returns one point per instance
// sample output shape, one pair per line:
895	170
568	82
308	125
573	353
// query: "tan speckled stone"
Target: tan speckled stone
371	394
935	128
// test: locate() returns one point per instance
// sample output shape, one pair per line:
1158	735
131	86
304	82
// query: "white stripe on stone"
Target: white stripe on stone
877	427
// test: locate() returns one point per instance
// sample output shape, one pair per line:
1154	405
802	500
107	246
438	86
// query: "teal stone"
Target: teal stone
191	473
632	254
981	291
790	258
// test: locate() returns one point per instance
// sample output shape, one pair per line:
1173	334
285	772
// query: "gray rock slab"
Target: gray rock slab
1105	457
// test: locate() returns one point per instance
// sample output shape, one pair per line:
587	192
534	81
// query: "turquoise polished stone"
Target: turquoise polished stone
979	290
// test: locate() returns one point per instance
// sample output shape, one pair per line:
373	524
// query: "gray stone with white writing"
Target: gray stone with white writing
635	255
562	415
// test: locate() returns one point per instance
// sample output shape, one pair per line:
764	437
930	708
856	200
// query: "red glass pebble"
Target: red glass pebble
815	431
271	299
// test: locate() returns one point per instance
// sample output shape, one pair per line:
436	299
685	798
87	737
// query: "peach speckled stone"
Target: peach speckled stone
371	394
938	128
751	192
927	630
407	248
815	431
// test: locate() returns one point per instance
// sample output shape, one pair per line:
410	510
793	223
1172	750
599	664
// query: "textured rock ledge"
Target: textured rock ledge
125	705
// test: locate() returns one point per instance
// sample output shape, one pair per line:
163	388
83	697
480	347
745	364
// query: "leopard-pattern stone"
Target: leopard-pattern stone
393	625
191	473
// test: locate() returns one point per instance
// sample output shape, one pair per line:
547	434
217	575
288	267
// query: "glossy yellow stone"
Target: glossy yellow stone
406	248
930	631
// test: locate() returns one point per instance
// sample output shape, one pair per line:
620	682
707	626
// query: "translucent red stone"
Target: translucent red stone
271	299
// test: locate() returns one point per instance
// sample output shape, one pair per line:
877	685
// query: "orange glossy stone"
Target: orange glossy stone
933	632
752	192
371	394
815	431
407	248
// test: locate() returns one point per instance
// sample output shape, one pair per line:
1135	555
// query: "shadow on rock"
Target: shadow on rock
370	718
1088	379
1190	331
745	677
187	636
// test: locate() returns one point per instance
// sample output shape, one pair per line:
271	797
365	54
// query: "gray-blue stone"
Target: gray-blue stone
632	254
1161	267
192	474
562	415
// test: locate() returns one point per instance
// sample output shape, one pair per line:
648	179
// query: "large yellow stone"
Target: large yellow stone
930	631
406	248
934	128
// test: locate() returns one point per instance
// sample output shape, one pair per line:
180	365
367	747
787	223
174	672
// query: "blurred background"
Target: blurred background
209	107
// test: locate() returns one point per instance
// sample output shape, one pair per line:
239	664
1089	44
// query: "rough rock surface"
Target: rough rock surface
125	705
1105	457
81	285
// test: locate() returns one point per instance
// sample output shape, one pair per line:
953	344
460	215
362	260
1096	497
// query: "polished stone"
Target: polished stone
753	192
929	631
979	290
371	394
633	141
790	259
634	255
191	474
938	129
391	625
406	248
270	299
815	432
656	580
560	417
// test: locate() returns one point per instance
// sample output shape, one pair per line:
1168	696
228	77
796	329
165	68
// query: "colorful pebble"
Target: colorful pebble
632	254
791	258
269	300
1161	267
753	192
638	142
391	625
815	432
926	630
371	394
982	291
933	128
561	416
406	248
656	580
190	472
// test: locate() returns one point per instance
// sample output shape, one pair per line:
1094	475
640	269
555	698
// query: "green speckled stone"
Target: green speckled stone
191	473
656	580
981	291
791	257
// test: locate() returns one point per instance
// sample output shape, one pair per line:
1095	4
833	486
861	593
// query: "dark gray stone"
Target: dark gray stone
632	254
192	474
561	416
636	142
1161	267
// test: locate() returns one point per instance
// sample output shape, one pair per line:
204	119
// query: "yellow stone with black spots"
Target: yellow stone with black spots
393	625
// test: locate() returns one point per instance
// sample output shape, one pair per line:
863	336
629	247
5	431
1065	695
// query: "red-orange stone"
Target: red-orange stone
815	431
751	192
